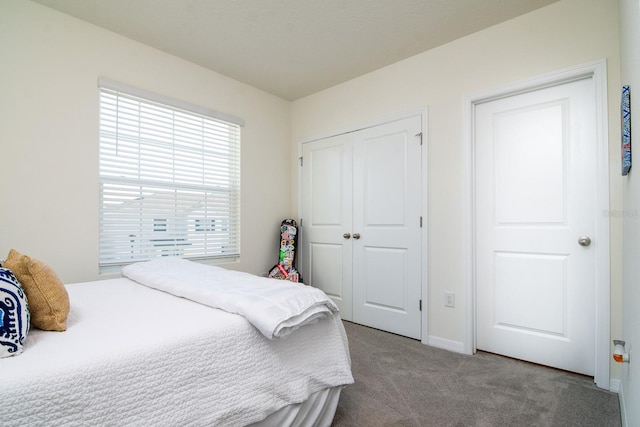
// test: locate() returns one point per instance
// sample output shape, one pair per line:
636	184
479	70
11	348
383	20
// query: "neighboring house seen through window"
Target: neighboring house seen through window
169	178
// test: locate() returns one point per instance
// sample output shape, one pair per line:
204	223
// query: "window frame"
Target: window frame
185	173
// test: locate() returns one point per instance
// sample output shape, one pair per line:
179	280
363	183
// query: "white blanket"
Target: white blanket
134	356
275	307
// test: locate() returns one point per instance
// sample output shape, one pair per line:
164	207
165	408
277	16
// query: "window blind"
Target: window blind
169	181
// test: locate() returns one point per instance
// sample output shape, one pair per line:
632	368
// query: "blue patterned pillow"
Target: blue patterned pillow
14	314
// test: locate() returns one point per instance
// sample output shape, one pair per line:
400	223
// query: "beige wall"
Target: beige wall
630	72
49	136
559	36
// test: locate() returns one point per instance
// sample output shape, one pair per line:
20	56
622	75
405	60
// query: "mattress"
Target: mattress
133	355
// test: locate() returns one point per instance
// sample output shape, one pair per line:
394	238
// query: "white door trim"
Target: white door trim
597	72
424	114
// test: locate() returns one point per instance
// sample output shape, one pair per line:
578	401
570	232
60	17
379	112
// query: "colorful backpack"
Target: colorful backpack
285	268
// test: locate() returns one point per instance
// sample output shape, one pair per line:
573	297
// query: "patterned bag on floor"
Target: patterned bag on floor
285	268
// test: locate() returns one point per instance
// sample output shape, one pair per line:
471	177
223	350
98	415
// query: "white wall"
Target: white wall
562	35
50	64
630	73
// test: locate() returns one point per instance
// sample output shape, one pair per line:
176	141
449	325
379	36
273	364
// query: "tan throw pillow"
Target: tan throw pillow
47	297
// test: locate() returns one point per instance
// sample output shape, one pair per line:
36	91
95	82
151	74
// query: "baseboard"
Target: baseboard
614	385
445	344
623	411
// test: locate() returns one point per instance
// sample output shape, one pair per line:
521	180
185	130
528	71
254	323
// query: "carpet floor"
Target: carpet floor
402	382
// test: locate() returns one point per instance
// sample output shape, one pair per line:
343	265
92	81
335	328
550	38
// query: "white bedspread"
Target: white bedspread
135	356
275	307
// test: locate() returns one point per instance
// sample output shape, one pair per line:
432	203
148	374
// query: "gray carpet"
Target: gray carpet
401	382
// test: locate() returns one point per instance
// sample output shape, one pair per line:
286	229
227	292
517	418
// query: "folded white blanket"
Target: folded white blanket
275	307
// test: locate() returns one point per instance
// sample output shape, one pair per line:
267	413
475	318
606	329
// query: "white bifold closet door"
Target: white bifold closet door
361	224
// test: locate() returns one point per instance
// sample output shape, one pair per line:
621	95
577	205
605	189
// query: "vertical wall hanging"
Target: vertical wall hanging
625	110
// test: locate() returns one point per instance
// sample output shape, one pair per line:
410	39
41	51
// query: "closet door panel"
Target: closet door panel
327	200
386	216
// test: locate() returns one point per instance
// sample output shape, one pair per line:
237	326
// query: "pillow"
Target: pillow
14	314
47	296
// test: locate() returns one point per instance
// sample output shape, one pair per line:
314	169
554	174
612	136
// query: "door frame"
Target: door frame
597	72
424	185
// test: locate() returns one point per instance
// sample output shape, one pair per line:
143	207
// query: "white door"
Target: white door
325	234
386	218
360	234
535	209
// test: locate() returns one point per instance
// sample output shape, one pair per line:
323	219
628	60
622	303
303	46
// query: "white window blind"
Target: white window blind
169	180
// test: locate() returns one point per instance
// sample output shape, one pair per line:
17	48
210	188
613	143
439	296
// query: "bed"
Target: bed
136	355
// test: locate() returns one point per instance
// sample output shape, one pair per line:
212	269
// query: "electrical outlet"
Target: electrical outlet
449	299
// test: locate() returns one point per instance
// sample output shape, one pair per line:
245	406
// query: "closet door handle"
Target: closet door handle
356	236
346	235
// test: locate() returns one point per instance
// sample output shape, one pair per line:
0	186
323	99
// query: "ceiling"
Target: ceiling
293	48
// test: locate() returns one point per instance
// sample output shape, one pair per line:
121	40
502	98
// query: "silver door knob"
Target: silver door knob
346	235
356	236
584	241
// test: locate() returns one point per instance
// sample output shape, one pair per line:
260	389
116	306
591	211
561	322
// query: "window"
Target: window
169	179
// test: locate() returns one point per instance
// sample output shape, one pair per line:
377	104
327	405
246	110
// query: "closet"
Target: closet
361	237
